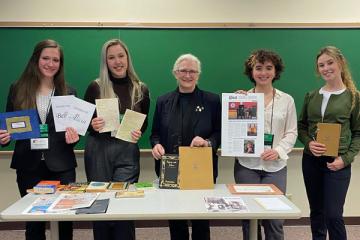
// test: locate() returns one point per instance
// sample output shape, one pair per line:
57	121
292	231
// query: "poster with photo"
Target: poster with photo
242	125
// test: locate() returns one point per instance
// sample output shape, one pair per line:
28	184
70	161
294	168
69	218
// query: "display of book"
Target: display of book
118	186
97	186
195	168
75	187
144	186
169	171
130	194
329	134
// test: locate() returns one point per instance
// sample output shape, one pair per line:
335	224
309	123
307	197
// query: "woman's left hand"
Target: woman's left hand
336	165
71	136
269	155
136	135
199	142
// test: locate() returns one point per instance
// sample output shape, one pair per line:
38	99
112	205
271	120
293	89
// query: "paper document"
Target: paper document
273	204
70	111
225	204
108	109
242	124
66	202
263	189
40	205
131	121
61	107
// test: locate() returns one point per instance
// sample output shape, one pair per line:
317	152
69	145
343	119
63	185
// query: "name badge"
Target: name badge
39	143
268	140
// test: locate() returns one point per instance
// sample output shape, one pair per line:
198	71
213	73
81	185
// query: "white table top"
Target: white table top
159	204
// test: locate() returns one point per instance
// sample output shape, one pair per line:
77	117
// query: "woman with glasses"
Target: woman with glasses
186	116
327	178
106	157
54	159
263	67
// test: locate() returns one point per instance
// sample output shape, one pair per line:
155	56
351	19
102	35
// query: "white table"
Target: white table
159	204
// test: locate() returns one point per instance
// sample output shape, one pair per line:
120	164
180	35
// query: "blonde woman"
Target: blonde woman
327	178
108	158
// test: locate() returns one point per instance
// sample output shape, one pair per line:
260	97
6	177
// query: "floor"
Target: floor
217	233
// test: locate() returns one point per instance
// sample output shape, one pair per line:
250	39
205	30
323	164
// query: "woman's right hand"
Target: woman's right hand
158	151
317	148
241	92
4	137
97	123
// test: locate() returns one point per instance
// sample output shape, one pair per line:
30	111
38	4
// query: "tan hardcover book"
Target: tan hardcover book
118	186
130	194
329	134
255	189
195	168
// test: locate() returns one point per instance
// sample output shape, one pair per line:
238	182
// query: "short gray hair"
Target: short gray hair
187	56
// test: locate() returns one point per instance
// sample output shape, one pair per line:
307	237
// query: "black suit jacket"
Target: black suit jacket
206	123
59	157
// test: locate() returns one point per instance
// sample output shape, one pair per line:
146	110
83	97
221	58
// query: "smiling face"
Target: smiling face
187	75
49	63
329	68
117	61
263	73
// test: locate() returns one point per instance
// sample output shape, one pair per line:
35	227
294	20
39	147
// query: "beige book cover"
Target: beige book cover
329	134
195	168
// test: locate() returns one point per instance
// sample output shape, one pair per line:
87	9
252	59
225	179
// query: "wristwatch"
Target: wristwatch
209	142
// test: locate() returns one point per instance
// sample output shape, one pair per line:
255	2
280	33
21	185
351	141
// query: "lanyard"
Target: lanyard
272	108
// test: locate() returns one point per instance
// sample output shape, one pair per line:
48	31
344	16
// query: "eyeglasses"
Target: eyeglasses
185	71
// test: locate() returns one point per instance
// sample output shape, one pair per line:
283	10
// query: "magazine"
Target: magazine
40	205
65	202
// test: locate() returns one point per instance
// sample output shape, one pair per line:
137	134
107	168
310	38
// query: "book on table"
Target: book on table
97	186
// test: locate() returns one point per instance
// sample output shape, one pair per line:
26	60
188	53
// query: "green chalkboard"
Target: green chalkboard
221	51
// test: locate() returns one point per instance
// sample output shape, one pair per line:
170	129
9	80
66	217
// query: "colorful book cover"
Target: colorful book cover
97	186
21	124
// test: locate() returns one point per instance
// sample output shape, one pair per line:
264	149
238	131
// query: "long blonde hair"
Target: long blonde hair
106	86
346	77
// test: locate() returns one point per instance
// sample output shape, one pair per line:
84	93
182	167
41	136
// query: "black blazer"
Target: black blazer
59	157
206	123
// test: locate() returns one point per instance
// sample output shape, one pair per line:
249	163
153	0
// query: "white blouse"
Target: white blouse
284	129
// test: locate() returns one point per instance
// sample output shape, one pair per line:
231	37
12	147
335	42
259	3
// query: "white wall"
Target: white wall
160	11
295	182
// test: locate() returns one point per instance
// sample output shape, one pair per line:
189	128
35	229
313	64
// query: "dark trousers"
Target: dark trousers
110	159
27	180
326	191
179	229
116	230
273	228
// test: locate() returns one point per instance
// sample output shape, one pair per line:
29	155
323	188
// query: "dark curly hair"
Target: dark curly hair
261	56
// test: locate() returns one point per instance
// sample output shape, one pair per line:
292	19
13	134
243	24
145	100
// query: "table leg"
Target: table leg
253	229
54	230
